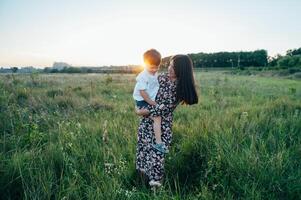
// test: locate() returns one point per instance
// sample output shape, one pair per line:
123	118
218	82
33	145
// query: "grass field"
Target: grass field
74	137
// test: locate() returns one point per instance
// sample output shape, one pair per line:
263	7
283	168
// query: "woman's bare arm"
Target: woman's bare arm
142	111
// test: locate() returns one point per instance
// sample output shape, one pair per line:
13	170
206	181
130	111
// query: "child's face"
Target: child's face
152	68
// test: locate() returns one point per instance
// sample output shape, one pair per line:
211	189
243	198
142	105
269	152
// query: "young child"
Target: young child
146	89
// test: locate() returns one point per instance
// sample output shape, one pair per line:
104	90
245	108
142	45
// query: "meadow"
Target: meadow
73	136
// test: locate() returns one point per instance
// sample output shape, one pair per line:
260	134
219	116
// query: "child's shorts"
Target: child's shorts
141	104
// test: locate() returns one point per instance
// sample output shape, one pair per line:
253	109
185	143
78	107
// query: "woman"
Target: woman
176	87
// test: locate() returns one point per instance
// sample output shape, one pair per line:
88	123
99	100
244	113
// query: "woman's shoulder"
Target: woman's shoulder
163	77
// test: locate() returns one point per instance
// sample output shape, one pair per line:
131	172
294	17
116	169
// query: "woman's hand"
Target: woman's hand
142	111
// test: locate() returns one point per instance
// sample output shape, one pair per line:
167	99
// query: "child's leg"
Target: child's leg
157	129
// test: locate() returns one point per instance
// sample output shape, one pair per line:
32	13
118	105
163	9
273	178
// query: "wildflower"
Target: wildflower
109	168
124	192
128	193
109	164
214	186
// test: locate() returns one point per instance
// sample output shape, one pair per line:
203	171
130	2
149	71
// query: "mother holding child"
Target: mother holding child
156	98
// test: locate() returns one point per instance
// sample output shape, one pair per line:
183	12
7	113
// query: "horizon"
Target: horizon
122	65
117	33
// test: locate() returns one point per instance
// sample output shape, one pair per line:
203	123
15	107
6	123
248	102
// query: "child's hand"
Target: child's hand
153	103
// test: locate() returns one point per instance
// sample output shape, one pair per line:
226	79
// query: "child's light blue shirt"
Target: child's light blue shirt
148	82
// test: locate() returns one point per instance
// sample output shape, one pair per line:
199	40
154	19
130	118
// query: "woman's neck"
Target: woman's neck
172	78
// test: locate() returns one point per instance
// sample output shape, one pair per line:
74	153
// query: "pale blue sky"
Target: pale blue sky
36	32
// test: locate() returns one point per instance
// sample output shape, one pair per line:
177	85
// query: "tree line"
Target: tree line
241	59
291	59
256	58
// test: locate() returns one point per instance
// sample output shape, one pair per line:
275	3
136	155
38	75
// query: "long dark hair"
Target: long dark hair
183	67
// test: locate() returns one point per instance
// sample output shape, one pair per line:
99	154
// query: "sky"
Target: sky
115	32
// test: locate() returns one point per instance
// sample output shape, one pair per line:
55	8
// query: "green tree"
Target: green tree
293	52
14	69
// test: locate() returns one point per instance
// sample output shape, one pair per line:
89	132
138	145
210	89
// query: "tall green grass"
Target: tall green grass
74	137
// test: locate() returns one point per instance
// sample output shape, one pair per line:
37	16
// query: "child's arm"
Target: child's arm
146	98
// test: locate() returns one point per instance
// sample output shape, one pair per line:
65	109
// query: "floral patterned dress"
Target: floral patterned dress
149	160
